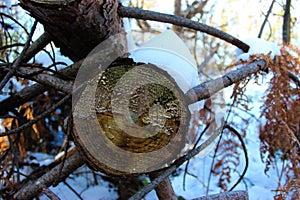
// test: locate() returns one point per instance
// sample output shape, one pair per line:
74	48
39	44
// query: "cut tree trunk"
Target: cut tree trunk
76	26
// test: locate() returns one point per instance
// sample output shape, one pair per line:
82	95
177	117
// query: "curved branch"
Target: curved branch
137	13
233	130
266	19
294	78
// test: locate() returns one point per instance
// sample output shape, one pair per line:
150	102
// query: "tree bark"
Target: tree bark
235	195
286	29
177	12
164	190
54	176
76	26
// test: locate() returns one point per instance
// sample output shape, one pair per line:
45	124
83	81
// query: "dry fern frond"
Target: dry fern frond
228	159
281	111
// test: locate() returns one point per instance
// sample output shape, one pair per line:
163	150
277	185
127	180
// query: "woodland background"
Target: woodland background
262	109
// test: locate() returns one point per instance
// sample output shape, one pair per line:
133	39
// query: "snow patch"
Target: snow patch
258	46
8	3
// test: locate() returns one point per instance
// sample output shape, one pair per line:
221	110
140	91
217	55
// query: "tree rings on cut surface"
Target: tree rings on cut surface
133	119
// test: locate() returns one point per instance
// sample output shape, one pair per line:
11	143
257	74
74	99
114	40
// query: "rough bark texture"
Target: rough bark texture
206	89
164	190
54	176
235	195
286	28
76	26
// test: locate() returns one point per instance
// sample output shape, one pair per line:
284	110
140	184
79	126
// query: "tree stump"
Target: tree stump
138	122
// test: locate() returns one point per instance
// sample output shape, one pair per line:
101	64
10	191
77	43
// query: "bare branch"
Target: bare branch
180	21
233	130
294	78
55	175
177	7
36	46
50	194
46	79
28	93
205	90
207	59
11	45
177	12
177	163
164	190
235	195
266	19
19	59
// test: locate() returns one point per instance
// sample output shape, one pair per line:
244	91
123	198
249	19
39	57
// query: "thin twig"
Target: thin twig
174	166
46	79
233	130
19	59
48	69
73	190
14	20
137	13
36	119
212	163
50	194
266	19
197	142
11	45
30	92
207	59
37	46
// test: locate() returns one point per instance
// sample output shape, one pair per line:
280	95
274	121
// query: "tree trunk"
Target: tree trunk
76	26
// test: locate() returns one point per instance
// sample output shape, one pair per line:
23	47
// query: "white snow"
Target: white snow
83	182
258	46
8	3
45	60
11	86
168	52
40	158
